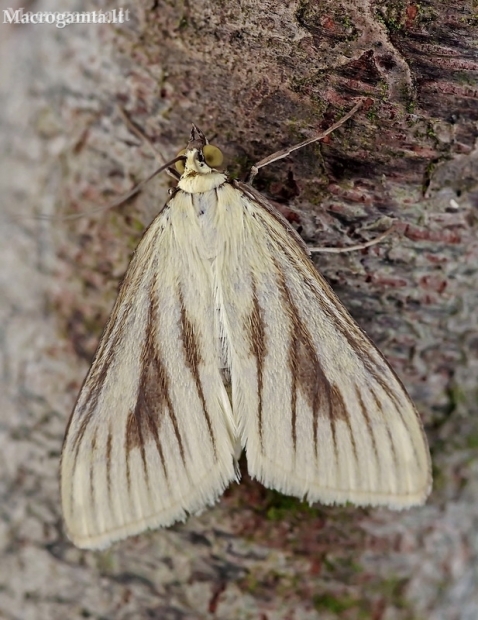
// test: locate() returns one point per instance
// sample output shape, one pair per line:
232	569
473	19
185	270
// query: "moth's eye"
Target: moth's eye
179	165
212	155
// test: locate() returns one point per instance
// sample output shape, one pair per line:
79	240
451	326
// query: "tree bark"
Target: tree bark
256	76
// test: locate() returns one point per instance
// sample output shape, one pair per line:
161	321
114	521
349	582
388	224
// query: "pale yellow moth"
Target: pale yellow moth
223	337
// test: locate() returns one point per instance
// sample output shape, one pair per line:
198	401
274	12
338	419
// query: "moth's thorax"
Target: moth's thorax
198	176
195	183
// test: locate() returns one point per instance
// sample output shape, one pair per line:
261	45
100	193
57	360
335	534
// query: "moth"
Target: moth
224	337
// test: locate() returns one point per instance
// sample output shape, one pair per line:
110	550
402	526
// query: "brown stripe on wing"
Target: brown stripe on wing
91	390
92	387
293	367
341	412
379	406
151	407
134	438
337	314
371	358
307	373
192	354
93	458
368	422
109	446
153	401
379	378
307	376
362	346
398	408
255	329
110	343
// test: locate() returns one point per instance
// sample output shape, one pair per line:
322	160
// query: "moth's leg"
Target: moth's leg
287	151
358	246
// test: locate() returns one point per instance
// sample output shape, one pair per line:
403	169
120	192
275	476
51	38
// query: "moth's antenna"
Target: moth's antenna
119	201
139	133
287	151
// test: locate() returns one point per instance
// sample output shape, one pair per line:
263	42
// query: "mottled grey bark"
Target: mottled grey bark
258	75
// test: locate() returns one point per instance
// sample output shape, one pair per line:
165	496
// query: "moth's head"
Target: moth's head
200	157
